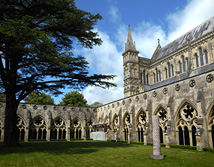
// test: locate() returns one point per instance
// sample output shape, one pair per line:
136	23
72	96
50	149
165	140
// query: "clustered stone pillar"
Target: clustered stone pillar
156	138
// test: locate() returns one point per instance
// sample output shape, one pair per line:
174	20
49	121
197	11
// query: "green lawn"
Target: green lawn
100	154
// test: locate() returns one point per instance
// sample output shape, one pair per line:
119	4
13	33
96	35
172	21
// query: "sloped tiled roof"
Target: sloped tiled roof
197	32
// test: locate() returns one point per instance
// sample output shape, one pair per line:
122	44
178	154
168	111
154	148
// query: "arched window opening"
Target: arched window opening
38	128
147	78
206	57
180	66
161	135
166	73
184	64
193	136
169	71
159	75
154	77
181	137
58	127
186	134
156	74
141	78
144	77
21	128
196	60
187	62
172	67
201	57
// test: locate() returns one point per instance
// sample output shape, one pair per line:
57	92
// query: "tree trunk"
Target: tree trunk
11	131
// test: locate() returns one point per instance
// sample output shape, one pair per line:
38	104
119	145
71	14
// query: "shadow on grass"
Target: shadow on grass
59	147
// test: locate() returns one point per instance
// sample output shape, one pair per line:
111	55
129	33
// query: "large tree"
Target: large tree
36	43
74	98
96	104
39	98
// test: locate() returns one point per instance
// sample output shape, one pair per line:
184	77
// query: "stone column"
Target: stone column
198	138
156	138
128	137
27	130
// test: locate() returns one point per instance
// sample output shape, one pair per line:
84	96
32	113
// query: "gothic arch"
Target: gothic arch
115	122
58	128
210	118
163	119
21	125
181	105
186	123
38	128
76	128
141	122
126	124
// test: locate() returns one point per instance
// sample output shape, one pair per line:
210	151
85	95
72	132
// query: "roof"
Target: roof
195	33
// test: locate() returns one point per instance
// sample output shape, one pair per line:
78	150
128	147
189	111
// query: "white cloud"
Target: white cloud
114	13
105	59
195	13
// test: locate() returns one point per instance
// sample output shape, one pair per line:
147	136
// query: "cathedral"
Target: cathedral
176	84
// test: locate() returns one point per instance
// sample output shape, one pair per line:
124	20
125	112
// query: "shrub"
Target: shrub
183	146
208	149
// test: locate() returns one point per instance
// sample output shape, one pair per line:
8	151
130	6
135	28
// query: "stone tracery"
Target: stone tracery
38	128
58	128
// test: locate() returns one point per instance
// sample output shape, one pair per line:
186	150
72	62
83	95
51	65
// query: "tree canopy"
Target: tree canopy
39	98
96	104
36	44
74	98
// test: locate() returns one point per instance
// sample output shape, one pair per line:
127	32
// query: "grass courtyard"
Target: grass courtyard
98	154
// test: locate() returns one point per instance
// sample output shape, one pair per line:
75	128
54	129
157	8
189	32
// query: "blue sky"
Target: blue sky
149	20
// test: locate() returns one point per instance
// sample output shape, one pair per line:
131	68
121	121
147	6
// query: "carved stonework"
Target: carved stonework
192	83
209	78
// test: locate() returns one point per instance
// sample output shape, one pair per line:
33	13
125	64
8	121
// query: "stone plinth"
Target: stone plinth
156	138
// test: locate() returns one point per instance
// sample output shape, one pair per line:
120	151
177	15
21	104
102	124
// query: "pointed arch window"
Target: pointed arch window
184	64
196	60
156	74
159	75
172	67
169	70
180	66
187	62
144	76
147	78
201	57
166	73
141	78
206	57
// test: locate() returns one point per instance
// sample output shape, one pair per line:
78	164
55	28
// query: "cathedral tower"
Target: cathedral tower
131	68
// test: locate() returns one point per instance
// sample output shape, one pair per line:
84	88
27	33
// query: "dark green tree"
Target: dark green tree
39	98
36	42
2	97
74	98
96	104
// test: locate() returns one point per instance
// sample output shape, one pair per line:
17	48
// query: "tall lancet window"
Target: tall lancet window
159	75
147	79
154	77
187	61
166	73
169	70
172	67
201	57
196	60
156	74
144	76
184	64
180	66
206	57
